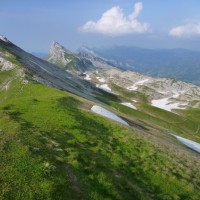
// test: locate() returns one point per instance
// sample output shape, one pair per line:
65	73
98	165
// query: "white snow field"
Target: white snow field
105	88
191	144
166	105
129	105
134	100
177	94
87	77
102	111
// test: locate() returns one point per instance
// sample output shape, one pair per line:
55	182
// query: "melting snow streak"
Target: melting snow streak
101	111
129	105
193	145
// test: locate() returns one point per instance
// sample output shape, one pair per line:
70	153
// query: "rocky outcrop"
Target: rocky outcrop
153	88
71	62
47	73
58	53
5	65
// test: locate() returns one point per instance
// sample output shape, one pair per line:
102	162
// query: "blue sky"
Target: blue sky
35	24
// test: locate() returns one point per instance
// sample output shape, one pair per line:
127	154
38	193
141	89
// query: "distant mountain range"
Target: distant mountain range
99	71
169	63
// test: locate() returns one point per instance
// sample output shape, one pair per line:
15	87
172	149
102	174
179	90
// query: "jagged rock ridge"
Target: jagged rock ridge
44	72
64	58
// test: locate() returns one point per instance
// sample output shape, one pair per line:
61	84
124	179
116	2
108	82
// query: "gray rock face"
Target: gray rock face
76	63
57	54
5	65
5	58
49	74
175	91
71	62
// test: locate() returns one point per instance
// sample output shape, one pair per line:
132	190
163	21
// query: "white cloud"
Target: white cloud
186	31
114	22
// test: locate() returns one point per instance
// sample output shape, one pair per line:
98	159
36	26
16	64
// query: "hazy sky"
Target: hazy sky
35	24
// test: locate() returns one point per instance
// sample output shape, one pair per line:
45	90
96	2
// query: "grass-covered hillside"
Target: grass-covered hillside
183	122
53	147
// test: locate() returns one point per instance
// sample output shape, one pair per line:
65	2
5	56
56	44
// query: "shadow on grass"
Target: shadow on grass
106	97
98	137
92	160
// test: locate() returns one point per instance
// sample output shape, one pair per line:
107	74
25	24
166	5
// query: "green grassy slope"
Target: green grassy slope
53	147
185	124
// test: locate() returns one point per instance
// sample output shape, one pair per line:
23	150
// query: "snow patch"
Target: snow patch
102	80
193	145
136	84
166	105
129	105
105	88
177	94
161	92
101	111
142	82
87	77
134	100
132	88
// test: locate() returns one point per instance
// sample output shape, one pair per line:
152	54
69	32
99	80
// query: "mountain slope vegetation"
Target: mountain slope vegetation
53	147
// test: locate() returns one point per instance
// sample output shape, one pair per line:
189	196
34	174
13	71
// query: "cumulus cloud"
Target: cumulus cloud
114	22
186	31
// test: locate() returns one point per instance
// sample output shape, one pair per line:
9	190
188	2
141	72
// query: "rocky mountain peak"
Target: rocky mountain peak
58	48
58	54
68	60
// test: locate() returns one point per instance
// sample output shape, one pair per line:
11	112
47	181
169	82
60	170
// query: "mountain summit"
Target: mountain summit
67	60
58	53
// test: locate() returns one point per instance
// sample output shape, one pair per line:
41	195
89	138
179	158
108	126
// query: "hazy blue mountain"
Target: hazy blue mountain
173	63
